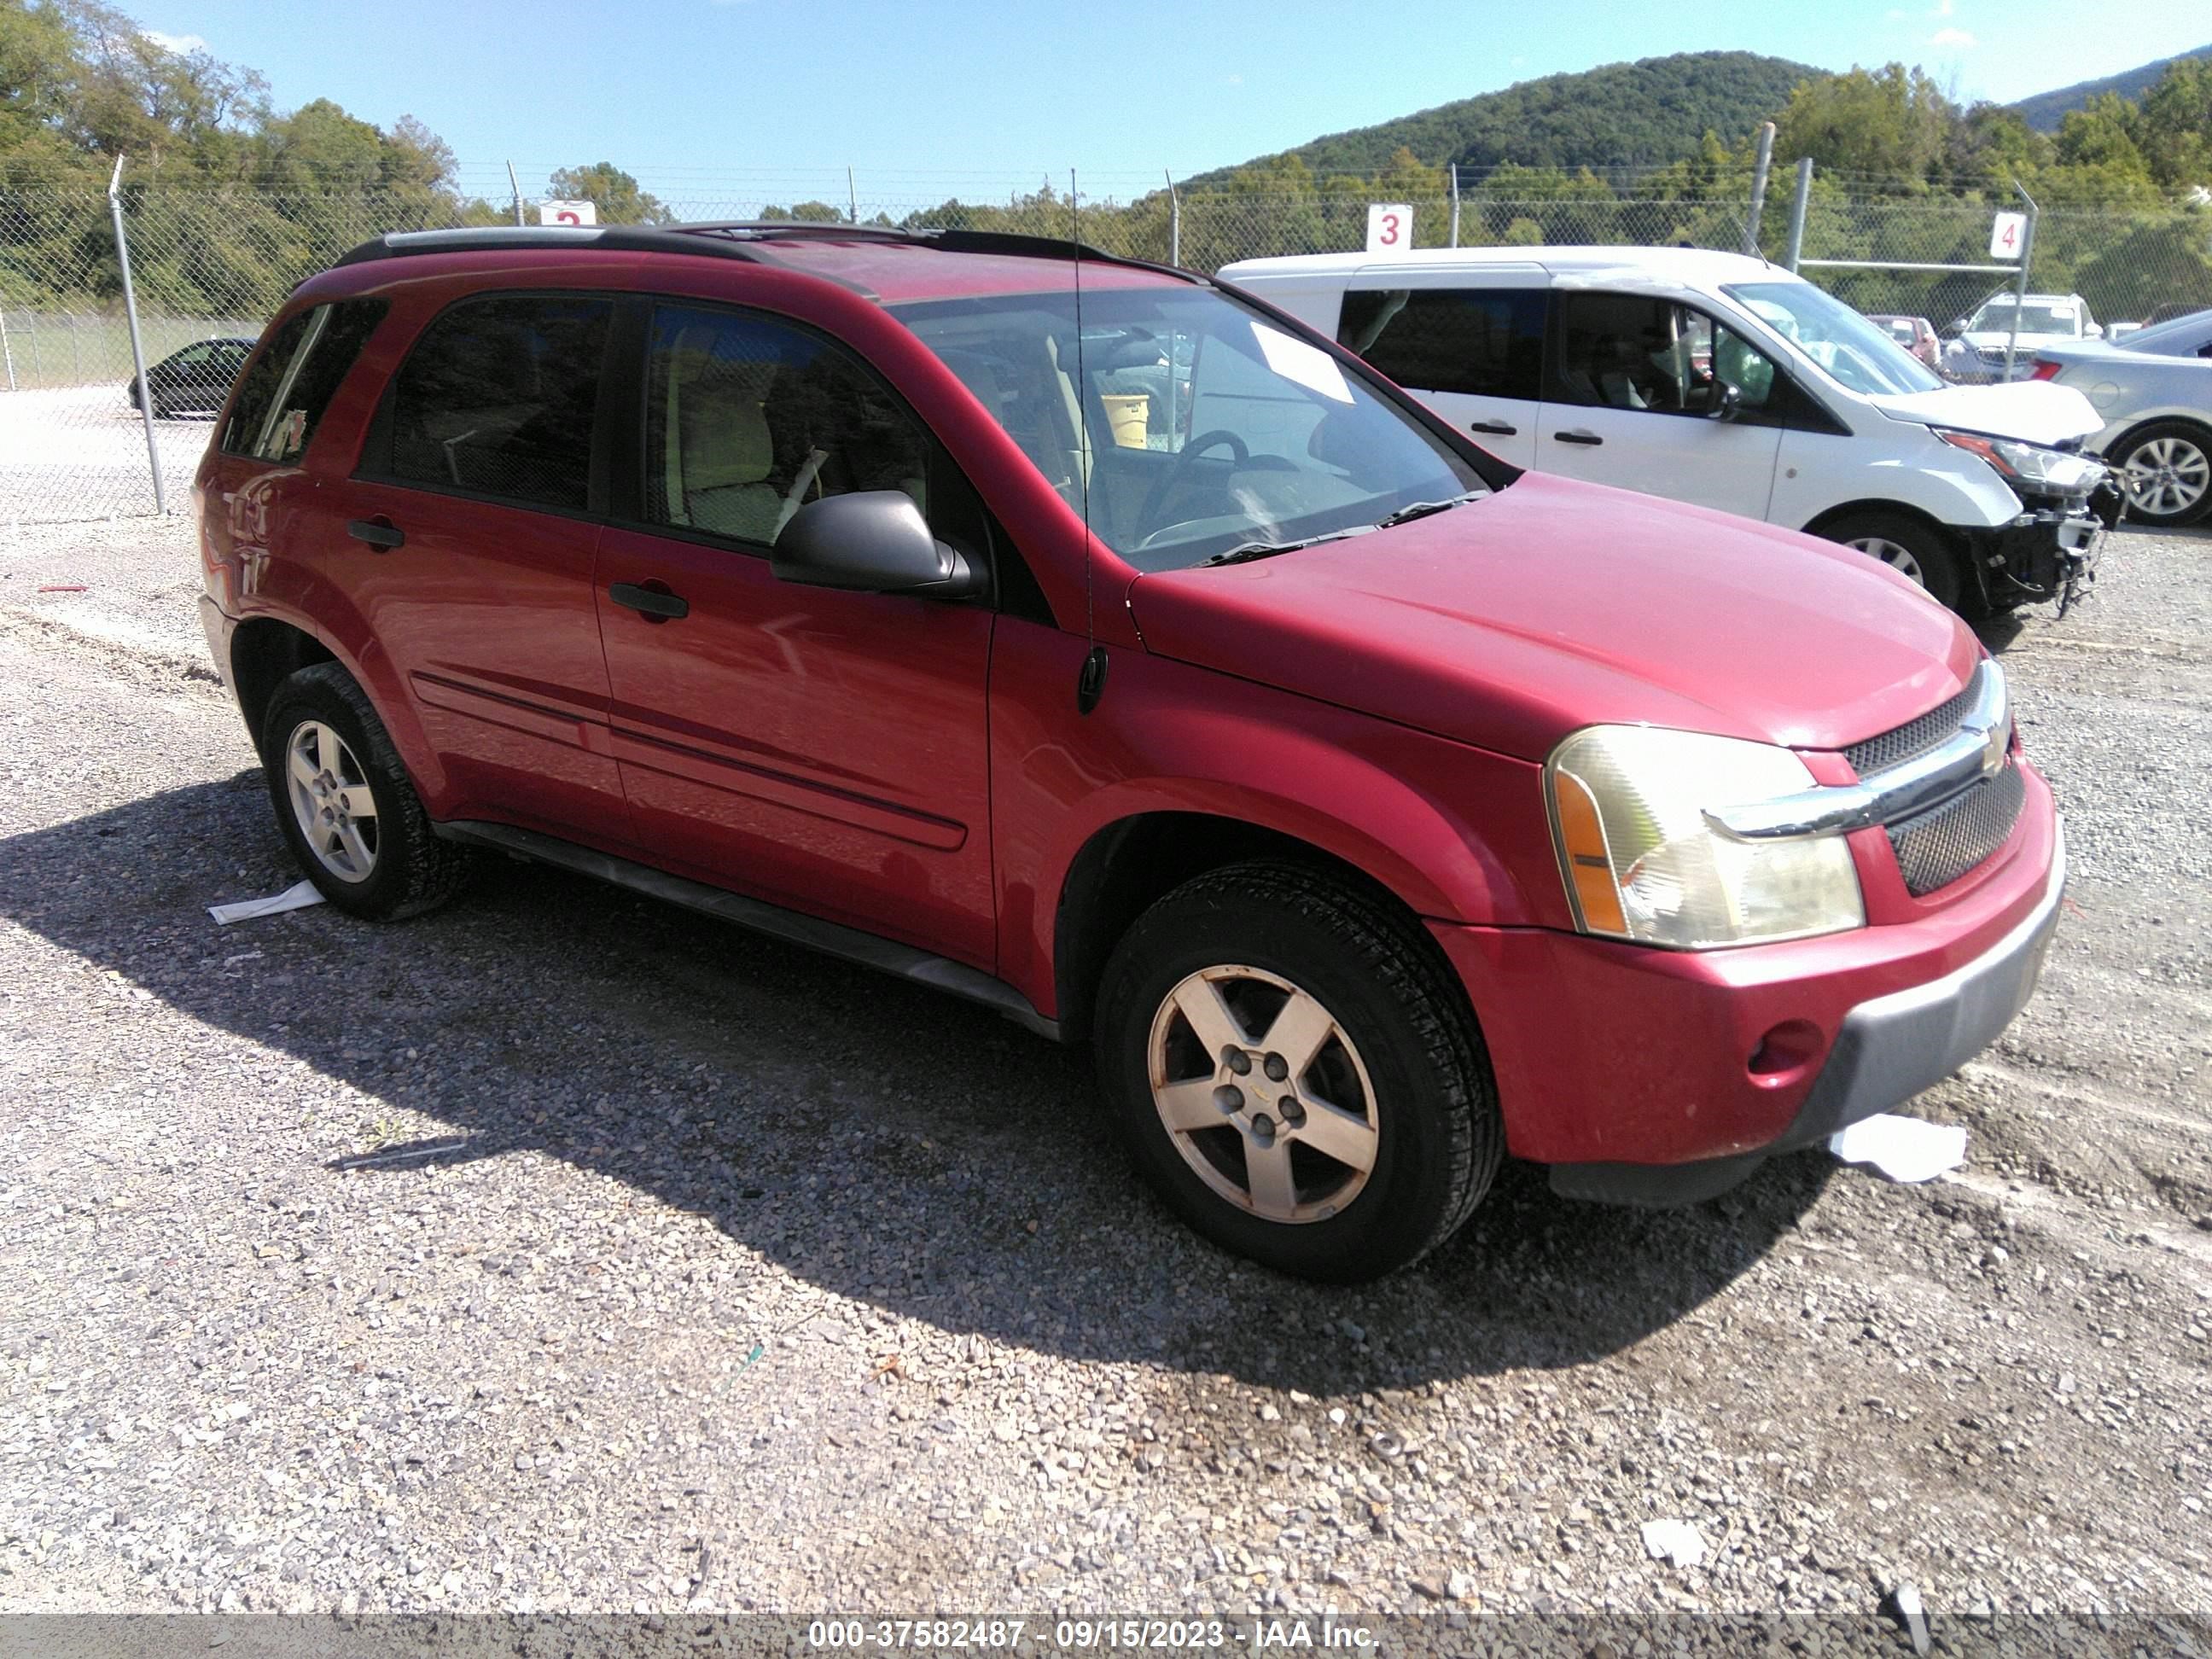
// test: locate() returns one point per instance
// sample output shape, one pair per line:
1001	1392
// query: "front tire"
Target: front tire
1295	1072
344	802
2166	470
1912	548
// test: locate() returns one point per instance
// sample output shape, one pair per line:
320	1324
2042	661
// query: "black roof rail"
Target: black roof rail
737	238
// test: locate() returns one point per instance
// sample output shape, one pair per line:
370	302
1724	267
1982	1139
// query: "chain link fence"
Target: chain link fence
211	265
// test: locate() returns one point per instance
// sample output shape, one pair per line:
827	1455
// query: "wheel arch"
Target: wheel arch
264	651
1973	583
1126	866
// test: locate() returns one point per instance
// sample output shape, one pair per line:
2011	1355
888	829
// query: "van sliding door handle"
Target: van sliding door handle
1579	436
1495	428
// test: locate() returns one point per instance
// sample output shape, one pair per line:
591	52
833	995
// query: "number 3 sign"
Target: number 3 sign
1389	227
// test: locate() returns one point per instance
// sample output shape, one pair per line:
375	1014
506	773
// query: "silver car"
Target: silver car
2155	393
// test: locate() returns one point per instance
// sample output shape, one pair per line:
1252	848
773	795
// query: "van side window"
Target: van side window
293	380
1630	351
747	420
497	400
1486	342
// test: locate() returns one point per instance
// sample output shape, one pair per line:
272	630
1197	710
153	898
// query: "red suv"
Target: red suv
1089	640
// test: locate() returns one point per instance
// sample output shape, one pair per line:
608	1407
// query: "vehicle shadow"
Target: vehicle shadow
878	1139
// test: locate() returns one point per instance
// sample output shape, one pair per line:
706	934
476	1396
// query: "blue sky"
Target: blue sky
709	99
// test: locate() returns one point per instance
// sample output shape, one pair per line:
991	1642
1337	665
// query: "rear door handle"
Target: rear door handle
654	604
380	533
1495	428
1579	437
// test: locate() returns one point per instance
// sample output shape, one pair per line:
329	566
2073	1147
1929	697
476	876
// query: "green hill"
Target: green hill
1642	114
2047	109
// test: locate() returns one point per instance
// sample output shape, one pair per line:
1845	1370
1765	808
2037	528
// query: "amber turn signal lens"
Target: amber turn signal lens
1589	868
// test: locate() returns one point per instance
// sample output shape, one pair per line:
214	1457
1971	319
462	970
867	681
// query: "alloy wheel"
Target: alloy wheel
2168	477
1263	1094
331	801
1895	555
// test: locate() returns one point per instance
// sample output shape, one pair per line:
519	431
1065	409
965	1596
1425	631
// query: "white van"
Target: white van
1721	379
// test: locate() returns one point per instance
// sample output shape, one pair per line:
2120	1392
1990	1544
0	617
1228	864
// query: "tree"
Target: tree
614	193
2175	129
1893	123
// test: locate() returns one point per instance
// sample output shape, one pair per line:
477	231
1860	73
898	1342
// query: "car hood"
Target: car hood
1552	606
2033	411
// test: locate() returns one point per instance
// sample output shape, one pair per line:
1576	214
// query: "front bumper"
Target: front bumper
1661	1076
1889	1051
2049	551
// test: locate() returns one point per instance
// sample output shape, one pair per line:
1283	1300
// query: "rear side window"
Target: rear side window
291	384
1486	342
497	398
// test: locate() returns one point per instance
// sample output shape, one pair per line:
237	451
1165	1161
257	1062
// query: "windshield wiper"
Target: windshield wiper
1245	552
1414	510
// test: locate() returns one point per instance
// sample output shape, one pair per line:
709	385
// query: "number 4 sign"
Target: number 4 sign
1389	227
2005	236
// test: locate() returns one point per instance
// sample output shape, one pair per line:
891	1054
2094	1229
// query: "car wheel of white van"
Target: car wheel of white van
344	802
1295	1071
1906	545
2167	468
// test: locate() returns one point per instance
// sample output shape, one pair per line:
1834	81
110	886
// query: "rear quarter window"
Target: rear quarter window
288	386
1486	342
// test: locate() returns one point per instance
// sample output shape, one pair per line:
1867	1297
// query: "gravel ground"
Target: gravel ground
561	1251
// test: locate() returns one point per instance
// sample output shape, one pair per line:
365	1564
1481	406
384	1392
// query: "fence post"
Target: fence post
2020	282
1797	211
852	196
137	350
1174	223
6	350
1759	167
1455	189
515	185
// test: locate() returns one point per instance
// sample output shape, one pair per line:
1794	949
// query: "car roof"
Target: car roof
1697	266
891	266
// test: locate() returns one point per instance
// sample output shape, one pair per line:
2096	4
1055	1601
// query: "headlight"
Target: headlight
2044	472
1642	863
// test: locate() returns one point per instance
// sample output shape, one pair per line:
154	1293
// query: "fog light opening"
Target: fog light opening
1785	1051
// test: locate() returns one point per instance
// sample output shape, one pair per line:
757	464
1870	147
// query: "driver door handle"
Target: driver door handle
1579	436
1495	428
657	605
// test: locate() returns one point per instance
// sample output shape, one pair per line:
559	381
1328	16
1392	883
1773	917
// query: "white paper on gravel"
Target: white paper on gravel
1674	1541
1902	1148
298	896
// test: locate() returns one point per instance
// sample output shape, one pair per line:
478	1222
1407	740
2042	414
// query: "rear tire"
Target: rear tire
344	802
2166	470
1344	1042
1909	546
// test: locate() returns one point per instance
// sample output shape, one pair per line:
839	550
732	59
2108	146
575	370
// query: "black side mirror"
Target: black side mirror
1728	402
872	541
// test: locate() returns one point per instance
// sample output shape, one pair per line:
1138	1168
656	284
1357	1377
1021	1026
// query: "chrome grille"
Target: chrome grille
1915	737
1943	844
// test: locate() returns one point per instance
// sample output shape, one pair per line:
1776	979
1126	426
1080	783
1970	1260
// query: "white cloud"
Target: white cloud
1954	37
1942	7
1233	81
183	45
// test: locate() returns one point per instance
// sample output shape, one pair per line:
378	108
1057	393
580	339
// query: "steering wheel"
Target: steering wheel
1148	513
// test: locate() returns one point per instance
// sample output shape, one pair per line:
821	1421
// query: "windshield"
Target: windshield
1996	318
1852	351
1202	426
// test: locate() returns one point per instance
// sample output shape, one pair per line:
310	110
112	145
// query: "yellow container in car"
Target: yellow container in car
1126	412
